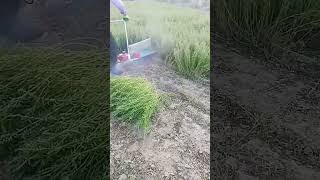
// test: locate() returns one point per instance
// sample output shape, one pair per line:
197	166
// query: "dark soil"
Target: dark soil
264	121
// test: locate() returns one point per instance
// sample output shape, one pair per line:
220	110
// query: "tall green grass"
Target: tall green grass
54	113
268	24
133	100
181	35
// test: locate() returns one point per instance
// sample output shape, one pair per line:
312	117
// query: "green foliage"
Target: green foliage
176	32
54	113
133	100
268	23
189	59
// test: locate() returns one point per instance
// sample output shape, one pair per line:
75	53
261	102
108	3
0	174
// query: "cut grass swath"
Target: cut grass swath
133	100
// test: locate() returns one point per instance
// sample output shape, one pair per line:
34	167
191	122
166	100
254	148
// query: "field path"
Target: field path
265	121
178	146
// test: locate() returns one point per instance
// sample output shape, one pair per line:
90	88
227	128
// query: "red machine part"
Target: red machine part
137	55
122	57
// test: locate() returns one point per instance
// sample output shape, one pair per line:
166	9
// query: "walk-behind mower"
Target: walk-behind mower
135	53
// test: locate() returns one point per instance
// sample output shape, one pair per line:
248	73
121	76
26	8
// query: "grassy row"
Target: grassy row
181	35
54	114
268	24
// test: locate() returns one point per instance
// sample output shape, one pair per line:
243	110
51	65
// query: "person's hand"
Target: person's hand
126	18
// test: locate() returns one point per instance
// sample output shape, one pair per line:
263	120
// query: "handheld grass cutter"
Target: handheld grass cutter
136	51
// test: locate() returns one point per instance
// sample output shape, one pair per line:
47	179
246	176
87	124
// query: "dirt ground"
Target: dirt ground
178	145
265	121
264	125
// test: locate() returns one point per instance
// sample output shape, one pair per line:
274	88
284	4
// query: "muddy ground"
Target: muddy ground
264	122
178	145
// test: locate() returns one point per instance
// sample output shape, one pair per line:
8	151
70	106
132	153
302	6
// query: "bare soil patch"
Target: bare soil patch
265	122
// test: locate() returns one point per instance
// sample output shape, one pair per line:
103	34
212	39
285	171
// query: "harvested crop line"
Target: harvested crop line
133	100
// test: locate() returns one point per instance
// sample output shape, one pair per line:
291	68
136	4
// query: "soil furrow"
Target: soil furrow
266	127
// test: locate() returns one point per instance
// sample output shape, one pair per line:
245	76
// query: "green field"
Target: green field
54	113
180	35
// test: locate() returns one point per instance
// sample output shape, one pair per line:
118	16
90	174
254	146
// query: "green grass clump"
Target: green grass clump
268	24
175	31
188	59
133	100
54	113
